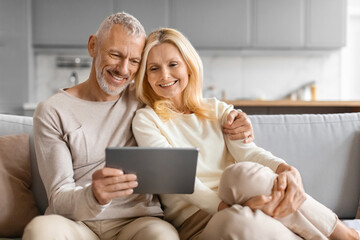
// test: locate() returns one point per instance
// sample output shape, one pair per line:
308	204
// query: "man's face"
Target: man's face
117	59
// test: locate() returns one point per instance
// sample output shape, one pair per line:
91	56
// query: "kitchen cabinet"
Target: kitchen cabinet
67	22
213	24
152	14
209	24
15	54
278	23
299	24
326	23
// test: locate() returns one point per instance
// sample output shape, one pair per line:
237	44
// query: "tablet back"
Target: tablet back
158	170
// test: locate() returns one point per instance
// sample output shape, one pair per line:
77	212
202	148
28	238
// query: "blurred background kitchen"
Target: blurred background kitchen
268	50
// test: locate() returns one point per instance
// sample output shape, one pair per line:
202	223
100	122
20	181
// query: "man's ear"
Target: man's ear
92	45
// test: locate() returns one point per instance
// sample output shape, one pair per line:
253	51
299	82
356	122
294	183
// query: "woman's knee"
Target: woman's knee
233	223
241	223
244	180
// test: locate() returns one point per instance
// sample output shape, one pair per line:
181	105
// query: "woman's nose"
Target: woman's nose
165	74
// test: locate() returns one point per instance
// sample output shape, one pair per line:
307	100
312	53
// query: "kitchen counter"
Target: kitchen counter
295	107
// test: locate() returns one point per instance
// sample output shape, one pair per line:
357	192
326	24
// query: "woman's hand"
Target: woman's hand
289	181
287	195
266	203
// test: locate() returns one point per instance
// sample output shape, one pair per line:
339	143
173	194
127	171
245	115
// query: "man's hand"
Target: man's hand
289	181
110	183
238	126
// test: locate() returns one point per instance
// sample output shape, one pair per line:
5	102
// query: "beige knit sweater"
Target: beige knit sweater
71	135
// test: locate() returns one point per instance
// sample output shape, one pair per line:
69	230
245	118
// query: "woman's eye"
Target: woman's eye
173	64
153	68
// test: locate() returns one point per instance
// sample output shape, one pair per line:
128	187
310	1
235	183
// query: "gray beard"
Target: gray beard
105	86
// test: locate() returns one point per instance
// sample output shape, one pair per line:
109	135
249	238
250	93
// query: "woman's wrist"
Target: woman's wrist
222	205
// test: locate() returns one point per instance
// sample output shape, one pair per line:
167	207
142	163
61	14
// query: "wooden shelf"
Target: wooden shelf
289	103
295	107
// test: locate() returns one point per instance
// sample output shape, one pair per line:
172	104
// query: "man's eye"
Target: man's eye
135	61
115	55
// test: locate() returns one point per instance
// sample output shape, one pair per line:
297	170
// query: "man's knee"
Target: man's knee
56	227
245	180
41	226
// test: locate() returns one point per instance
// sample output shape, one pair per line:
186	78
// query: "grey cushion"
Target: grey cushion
324	148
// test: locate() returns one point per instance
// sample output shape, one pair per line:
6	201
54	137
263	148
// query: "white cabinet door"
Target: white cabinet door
326	23
67	22
213	24
278	23
152	14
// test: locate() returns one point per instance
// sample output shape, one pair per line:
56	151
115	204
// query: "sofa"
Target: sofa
325	148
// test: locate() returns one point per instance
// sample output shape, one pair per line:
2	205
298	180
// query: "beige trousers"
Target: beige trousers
58	227
242	181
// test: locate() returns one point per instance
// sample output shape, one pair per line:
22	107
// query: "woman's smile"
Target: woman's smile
165	85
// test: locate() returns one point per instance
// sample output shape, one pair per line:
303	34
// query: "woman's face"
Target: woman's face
167	72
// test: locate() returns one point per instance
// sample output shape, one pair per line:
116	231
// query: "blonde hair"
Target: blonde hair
192	93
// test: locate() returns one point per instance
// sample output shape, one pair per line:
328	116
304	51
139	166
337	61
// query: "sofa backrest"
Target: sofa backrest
10	125
325	148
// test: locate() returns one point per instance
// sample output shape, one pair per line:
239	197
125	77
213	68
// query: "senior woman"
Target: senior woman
241	190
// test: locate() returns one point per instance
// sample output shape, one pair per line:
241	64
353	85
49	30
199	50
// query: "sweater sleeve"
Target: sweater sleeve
241	151
146	130
56	169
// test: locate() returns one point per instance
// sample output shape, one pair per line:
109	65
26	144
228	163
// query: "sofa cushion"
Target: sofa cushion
324	148
17	202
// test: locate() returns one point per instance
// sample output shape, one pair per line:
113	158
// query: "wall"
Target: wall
350	78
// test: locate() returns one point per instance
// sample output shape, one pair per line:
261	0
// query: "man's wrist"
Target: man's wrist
283	167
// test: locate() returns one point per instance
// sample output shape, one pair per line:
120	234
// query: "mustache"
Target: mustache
117	73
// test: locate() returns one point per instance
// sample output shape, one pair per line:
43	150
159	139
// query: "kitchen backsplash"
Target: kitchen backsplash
50	77
244	76
272	77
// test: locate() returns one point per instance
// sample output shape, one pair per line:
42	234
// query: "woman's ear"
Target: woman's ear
92	45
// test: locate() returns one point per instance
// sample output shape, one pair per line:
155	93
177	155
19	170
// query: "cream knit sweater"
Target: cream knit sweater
216	152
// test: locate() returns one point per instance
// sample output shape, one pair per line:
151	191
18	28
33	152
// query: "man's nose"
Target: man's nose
123	67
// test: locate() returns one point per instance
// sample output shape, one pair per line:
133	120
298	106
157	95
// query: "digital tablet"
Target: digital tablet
158	170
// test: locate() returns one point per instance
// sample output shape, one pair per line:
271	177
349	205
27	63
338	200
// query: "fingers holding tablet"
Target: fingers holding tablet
110	183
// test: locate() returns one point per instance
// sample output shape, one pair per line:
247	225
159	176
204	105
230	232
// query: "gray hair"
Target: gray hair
128	21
